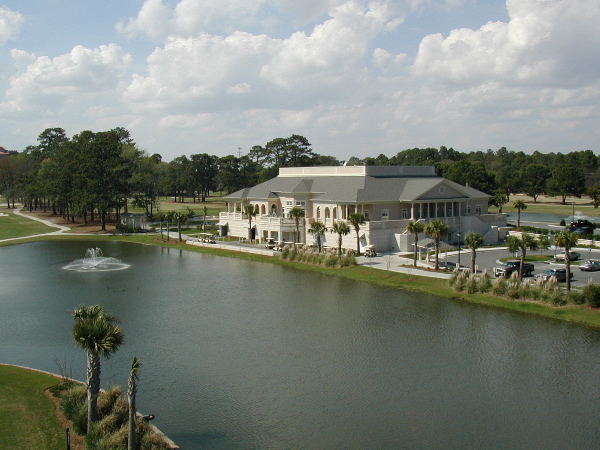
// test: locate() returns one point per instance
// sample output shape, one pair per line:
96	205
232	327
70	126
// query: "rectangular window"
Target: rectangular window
289	203
300	203
405	214
467	209
385	214
478	210
366	213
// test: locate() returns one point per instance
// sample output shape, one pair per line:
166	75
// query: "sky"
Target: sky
356	78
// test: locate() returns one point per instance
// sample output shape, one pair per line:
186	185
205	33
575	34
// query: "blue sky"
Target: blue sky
356	77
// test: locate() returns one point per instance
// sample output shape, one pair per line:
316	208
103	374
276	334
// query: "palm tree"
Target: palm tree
161	217
567	240
356	220
522	244
342	229
436	229
415	228
182	218
251	212
318	229
519	205
297	214
499	200
169	217
95	332
131	393
473	241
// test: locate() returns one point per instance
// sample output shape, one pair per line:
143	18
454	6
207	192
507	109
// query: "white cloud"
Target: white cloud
541	44
53	81
10	24
187	18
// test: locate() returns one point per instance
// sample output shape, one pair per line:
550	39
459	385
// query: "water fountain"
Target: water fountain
95	262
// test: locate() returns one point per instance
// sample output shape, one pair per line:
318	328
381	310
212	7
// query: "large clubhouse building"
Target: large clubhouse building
389	196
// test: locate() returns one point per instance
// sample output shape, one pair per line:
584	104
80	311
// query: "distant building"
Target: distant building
4	152
389	196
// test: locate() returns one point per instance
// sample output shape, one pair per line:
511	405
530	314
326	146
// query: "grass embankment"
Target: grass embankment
13	226
27	415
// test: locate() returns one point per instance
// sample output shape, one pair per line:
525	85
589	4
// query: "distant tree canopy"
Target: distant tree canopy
97	173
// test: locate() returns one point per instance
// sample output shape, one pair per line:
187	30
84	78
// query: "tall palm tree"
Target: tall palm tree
567	240
94	331
318	229
297	213
161	218
522	244
436	229
519	205
415	228
251	212
131	393
473	240
342	229
356	220
169	217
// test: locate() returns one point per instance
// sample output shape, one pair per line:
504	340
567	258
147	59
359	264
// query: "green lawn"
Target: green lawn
545	207
214	205
12	226
26	414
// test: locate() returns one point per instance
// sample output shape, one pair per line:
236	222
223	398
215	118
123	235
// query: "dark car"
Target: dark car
560	274
582	226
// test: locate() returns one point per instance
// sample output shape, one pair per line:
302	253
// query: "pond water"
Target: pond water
249	355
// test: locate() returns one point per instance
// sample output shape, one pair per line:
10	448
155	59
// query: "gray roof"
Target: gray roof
353	189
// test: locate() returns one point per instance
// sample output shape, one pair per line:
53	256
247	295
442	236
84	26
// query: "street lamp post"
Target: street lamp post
459	235
573	211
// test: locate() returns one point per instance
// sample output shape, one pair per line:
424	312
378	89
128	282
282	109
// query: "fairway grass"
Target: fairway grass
27	416
13	226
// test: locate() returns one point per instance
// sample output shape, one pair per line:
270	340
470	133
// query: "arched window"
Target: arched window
327	213
318	212
263	210
335	213
274	210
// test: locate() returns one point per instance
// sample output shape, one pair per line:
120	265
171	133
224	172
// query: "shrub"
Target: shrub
453	277
472	284
485	283
513	291
72	401
106	400
557	298
499	287
575	297
591	295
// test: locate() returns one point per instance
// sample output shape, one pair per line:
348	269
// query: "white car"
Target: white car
573	256
590	266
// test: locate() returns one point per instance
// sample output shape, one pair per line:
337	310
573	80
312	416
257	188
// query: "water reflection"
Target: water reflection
252	355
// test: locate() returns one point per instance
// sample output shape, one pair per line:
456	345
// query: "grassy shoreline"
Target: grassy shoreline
393	280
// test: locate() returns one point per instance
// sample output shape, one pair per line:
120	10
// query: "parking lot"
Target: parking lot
489	258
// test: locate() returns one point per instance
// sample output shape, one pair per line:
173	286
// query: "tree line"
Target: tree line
94	174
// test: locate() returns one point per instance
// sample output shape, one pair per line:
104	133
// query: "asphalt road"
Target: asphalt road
488	259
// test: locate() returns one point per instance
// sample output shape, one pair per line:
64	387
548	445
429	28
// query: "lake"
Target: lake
242	354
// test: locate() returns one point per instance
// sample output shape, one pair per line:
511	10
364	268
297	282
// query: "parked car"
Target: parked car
590	266
560	274
508	267
573	256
